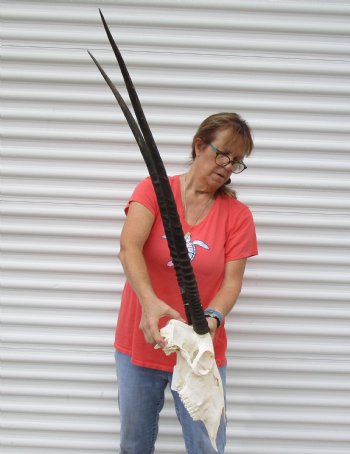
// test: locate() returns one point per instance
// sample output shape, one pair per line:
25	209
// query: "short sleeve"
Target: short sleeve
241	239
145	195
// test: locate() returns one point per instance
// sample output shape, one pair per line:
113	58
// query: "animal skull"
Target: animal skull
196	377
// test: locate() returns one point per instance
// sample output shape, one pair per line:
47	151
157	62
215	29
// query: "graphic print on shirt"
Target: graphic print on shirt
191	247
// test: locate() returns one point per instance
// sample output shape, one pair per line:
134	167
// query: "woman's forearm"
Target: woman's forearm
152	308
136	272
230	289
225	299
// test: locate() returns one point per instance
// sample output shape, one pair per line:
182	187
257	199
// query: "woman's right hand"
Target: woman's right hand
152	311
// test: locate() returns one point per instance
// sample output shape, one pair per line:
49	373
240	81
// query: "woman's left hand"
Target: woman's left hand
213	325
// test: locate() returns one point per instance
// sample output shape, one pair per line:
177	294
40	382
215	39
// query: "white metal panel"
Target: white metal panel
69	163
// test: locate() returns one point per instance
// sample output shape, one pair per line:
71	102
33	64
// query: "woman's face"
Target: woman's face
215	175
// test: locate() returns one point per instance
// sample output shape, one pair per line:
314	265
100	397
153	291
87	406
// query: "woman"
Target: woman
220	236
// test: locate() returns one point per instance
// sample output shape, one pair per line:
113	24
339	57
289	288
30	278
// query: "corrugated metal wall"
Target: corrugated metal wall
69	163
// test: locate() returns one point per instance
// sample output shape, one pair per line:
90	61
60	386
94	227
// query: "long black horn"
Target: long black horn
153	173
164	193
171	221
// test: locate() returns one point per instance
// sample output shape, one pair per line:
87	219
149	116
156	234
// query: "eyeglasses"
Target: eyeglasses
222	159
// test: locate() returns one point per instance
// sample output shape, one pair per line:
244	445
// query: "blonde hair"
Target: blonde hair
208	129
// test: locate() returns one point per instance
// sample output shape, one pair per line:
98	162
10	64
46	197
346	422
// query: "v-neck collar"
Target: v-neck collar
181	208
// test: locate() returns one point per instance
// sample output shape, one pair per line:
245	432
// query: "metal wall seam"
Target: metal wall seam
69	163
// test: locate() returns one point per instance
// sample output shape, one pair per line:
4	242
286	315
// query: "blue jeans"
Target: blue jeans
140	400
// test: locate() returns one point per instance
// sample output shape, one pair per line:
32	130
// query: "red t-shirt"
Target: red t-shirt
226	233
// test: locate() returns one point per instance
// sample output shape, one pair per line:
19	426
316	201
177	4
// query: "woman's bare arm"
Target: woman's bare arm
135	232
229	291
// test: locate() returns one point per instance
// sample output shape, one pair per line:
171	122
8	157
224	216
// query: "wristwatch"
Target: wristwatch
212	313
